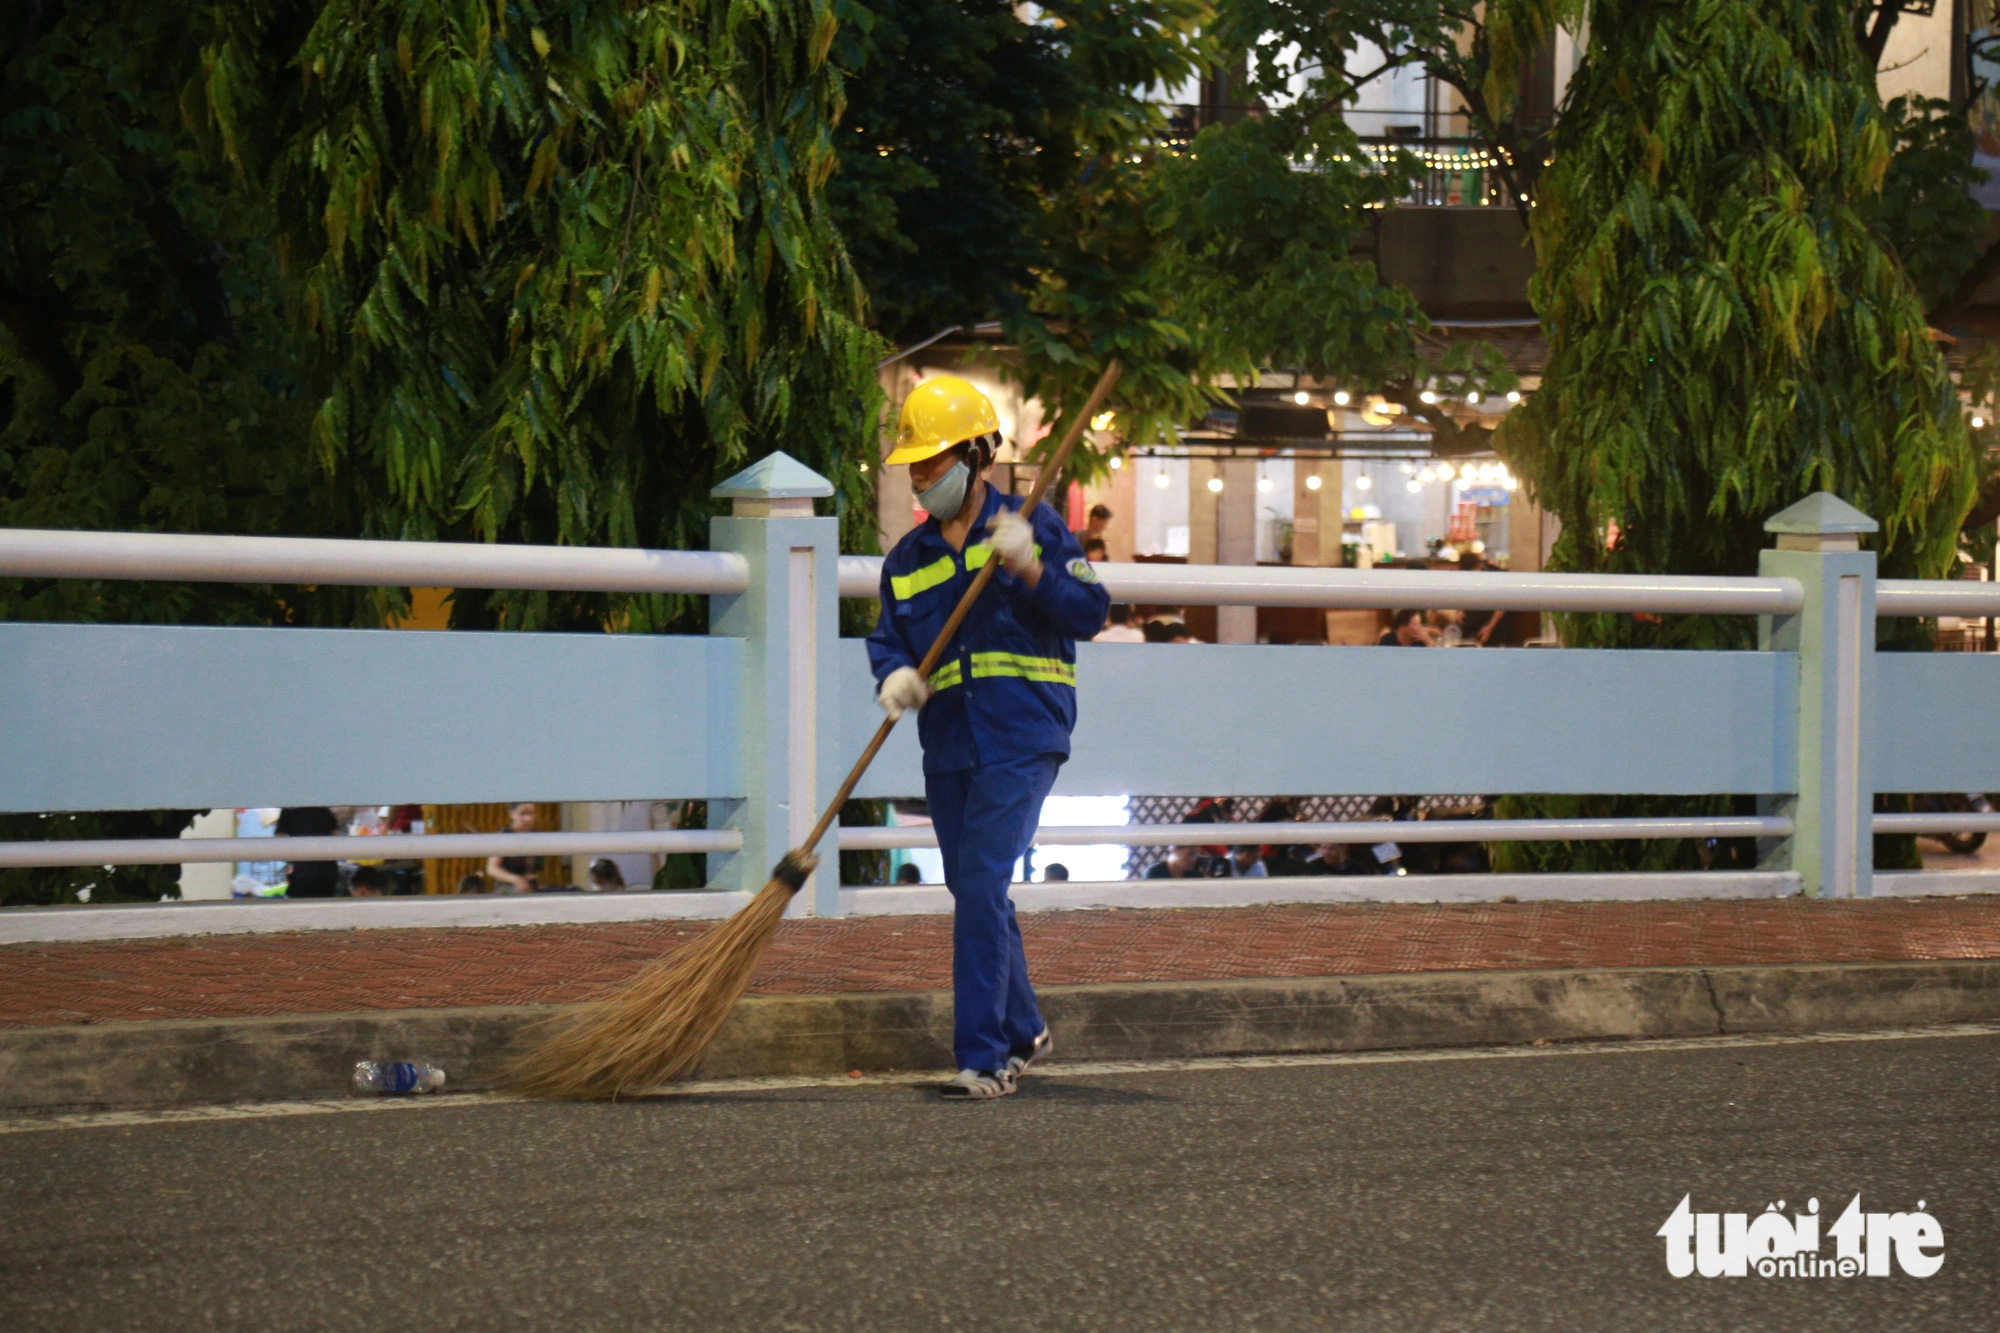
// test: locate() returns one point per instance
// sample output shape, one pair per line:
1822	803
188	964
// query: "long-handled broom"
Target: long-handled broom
653	1030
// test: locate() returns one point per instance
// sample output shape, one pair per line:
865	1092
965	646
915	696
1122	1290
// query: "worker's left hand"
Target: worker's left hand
1012	538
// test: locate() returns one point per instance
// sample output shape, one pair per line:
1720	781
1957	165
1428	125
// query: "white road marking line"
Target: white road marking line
1070	1069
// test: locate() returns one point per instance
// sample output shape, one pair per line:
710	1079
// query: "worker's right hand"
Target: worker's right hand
902	690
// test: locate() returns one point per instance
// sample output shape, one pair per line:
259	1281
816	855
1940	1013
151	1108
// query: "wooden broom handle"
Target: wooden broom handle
1050	471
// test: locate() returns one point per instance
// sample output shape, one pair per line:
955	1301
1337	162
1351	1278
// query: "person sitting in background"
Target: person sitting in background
1057	873
473	883
1120	628
1335	858
309	879
1181	863
1166	631
1093	527
514	874
908	873
368	882
1407	630
606	877
1247	862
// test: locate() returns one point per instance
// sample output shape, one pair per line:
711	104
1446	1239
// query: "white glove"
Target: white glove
1012	538
902	690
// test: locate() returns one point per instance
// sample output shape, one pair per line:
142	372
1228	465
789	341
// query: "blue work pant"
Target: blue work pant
985	819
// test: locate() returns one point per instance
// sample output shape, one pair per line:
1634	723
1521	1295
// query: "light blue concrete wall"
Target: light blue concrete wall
99	717
1937	722
1195	720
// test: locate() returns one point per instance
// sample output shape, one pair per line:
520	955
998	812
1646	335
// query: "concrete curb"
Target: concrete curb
171	1062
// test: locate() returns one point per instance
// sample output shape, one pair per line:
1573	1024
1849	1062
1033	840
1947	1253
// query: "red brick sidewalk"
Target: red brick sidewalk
324	972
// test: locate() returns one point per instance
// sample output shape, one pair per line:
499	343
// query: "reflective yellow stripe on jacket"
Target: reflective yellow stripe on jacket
941	570
946	676
1051	669
906	586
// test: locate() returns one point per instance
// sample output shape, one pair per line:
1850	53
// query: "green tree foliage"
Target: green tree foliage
563	265
147	382
962	121
1926	210
1239	252
1727	330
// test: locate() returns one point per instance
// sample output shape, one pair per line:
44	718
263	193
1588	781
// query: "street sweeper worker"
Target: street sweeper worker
996	713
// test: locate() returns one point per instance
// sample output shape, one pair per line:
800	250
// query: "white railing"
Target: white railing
756	708
384	847
1388	589
1941	597
42	554
1356	831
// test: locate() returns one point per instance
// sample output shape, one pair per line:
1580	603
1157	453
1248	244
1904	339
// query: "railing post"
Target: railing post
789	621
1819	544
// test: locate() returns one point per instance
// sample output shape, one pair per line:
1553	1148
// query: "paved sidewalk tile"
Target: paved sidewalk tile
310	972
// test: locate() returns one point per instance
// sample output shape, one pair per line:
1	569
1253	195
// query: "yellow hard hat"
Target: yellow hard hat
942	411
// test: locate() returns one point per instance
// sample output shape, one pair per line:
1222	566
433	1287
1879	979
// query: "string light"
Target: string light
1116	462
1474	398
1340	397
1415	488
1363	482
1444	471
1103	420
1513	395
1215	485
1427	396
1264	485
1302	398
1161	480
1978	422
1312	481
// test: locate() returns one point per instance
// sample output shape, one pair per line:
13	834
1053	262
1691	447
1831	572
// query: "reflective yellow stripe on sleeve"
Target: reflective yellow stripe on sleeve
979	553
1050	669
906	586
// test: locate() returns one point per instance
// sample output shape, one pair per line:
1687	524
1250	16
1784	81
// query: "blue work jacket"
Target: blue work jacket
1006	687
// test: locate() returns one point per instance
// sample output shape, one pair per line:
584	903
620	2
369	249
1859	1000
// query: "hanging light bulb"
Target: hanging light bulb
1363	482
1161	480
1312	481
1444	471
1426	477
1116	462
1427	396
1302	398
1512	482
1474	398
1340	397
1978	422
1103	420
1215	485
1513	395
864	468
1264	485
1415	487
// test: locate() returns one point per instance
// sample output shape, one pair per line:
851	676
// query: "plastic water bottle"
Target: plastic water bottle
396	1078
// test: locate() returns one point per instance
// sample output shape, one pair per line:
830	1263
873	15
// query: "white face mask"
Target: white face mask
946	495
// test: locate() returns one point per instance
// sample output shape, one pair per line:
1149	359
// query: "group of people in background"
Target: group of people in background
503	874
1383	856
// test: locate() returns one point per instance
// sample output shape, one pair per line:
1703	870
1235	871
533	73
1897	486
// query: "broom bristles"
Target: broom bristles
652	1031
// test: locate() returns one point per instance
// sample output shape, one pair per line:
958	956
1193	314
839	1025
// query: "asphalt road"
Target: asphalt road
1491	1193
